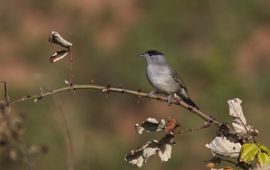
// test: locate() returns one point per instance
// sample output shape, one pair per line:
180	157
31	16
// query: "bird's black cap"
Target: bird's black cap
153	52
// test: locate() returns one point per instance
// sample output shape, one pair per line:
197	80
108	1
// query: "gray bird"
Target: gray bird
164	79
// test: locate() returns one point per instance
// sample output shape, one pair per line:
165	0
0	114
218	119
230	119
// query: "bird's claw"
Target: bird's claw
169	99
152	94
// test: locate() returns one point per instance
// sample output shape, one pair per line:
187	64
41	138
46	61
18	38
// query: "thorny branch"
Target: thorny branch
108	89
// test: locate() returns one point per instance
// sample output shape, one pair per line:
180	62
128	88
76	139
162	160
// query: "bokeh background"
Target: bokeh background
220	48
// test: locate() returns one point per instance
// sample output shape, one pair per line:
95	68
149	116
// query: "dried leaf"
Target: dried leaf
166	144
239	121
139	156
150	125
135	158
56	38
211	165
170	125
58	55
223	147
163	148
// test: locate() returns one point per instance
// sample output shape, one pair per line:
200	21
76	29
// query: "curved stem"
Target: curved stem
108	89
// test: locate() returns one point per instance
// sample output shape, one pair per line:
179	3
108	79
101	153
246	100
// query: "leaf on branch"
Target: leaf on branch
139	156
239	121
263	159
212	166
171	125
223	147
248	152
165	145
56	38
263	148
58	55
150	125
163	148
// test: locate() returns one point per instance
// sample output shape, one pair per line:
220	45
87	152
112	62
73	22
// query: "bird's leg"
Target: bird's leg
169	99
152	94
178	98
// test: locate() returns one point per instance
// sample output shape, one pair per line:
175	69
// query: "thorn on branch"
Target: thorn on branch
38	98
189	108
106	89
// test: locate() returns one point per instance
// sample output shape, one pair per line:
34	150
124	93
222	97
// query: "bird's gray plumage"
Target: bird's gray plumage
163	78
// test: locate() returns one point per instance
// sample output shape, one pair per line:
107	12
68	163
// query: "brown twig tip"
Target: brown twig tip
5	89
38	98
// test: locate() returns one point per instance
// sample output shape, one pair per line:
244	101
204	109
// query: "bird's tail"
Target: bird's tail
190	102
187	100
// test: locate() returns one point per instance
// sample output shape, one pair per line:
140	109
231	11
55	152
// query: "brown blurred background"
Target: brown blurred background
220	48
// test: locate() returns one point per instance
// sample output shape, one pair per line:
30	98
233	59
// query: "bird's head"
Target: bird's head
154	57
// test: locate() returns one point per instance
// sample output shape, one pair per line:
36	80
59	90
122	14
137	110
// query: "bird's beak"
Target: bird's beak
142	55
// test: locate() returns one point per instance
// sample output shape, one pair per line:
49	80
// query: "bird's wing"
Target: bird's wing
178	79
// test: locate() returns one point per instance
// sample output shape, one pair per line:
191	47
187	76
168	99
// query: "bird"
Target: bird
164	79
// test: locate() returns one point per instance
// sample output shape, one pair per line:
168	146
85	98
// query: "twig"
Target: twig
68	139
191	130
5	92
107	89
70	66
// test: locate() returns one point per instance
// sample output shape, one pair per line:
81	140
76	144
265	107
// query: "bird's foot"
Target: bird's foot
169	99
177	98
152	94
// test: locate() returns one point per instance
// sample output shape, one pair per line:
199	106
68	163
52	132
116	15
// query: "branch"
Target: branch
109	89
5	91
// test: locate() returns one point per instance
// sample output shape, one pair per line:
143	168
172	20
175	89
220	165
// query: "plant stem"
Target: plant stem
108	89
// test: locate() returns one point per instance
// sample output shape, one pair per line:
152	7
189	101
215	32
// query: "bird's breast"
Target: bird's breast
161	78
